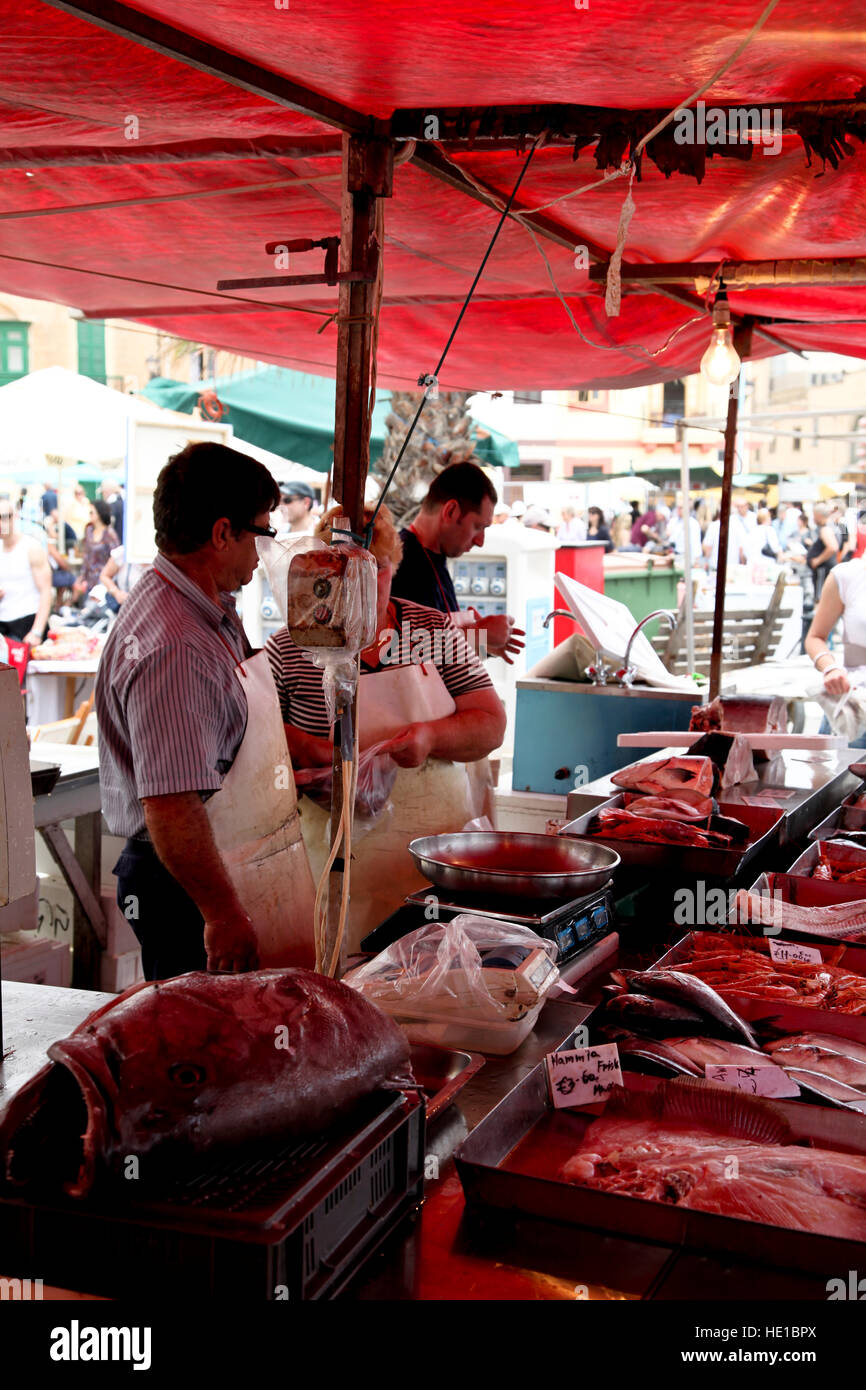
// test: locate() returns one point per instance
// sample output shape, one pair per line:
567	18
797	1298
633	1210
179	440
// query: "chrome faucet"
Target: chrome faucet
597	673
627	674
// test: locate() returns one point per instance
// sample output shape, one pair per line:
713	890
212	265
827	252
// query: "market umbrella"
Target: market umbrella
292	413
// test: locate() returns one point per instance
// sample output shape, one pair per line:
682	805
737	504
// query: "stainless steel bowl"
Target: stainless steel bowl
513	864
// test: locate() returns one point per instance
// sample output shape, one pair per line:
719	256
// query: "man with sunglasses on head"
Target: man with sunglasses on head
194	768
25	581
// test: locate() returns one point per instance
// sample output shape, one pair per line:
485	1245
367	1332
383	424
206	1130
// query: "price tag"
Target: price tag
781	951
583	1076
759	1080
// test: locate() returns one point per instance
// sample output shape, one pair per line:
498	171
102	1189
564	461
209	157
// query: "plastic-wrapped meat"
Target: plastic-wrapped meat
197	1065
668	776
693	809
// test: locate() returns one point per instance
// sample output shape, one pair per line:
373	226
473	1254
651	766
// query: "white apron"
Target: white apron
437	797
255	823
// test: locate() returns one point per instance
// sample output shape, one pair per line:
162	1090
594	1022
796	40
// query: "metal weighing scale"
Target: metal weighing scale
574	925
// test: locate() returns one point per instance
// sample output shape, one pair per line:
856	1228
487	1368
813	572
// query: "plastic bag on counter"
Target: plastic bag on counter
470	966
846	714
326	595
377	773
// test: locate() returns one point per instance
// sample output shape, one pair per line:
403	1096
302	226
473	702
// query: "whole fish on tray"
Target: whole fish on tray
615	824
676	1144
688	992
668	776
688	807
197	1065
835	1062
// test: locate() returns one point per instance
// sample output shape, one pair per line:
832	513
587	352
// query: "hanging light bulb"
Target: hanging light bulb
720	364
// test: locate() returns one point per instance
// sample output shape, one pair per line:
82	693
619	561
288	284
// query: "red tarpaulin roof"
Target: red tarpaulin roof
90	117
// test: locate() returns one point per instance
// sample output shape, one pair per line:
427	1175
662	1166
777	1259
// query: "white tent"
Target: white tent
59	413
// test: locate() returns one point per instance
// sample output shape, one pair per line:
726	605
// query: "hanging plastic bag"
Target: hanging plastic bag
377	773
326	596
846	714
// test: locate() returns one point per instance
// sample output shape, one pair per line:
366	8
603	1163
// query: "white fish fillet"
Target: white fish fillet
838	920
715	1052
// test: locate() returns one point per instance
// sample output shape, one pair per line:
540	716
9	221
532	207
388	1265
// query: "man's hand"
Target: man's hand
411	747
231	944
32	638
502	636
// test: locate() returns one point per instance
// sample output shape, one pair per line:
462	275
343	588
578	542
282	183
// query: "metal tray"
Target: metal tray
441	1073
808	892
487	1183
763	822
843	818
513	863
786	1018
804	865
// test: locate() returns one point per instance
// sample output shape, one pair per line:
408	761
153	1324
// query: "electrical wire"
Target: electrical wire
453	333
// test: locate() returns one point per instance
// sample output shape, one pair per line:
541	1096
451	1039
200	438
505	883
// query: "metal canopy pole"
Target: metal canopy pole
688	594
743	344
368	174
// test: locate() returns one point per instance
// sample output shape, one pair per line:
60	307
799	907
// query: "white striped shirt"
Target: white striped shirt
171	710
421	633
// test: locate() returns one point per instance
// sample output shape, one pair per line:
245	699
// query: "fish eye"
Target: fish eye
186	1074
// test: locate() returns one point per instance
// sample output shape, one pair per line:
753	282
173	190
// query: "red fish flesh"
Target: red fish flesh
196	1065
626	825
665	776
742	714
680	1145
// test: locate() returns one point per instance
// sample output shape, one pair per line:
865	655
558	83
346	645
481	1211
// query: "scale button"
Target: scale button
582	928
599	916
565	939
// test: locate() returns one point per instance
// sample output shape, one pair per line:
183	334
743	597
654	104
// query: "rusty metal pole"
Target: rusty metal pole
743	344
368	173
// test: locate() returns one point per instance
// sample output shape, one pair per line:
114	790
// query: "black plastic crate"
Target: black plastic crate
296	1222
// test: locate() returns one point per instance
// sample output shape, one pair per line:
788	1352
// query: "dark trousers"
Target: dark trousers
169	926
18	627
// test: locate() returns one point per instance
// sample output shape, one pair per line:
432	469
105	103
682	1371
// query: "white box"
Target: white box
31	961
528	812
117	973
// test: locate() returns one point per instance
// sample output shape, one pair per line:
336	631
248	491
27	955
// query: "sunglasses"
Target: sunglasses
261	531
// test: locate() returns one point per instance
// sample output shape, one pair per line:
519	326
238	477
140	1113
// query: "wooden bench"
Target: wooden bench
748	637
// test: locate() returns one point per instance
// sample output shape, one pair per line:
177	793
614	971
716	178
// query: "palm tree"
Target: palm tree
443	435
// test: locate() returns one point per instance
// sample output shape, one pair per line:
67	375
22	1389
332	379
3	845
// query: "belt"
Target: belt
142	837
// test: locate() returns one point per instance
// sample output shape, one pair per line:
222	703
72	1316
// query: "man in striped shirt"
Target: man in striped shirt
172	713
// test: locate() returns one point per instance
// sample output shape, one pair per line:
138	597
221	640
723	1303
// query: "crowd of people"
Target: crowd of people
44	567
814	540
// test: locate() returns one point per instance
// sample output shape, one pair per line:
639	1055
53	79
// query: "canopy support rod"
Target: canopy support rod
743	343
688	558
217	62
368	174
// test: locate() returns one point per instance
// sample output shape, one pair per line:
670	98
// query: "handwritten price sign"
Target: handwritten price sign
755	1081
782	951
583	1076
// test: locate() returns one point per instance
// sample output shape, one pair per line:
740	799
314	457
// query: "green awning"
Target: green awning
292	414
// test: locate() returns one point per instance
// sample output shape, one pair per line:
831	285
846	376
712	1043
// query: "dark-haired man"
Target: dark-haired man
454	515
194	767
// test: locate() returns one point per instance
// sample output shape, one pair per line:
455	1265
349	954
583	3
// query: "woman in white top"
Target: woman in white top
843	596
763	542
25	581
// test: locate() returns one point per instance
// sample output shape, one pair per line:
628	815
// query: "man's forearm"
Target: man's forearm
181	833
467	735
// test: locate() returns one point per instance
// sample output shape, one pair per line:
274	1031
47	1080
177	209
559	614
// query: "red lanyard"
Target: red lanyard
238	664
433	568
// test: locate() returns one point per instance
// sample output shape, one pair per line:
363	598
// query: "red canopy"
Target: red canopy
134	160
